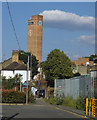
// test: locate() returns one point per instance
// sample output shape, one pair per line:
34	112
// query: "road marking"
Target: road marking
11	104
70	112
62	110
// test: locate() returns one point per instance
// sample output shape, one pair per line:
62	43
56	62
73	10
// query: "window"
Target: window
30	23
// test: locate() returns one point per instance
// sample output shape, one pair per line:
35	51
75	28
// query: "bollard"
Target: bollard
90	108
86	106
94	107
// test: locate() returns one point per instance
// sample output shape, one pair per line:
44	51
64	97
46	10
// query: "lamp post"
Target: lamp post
27	78
39	81
27	81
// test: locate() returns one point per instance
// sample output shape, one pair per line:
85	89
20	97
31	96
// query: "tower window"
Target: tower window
30	23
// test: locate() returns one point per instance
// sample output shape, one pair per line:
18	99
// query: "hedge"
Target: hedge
16	97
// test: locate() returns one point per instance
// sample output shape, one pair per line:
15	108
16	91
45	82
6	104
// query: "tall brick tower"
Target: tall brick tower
34	42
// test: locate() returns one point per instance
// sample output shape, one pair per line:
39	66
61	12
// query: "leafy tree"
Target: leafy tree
11	82
76	74
24	57
91	57
8	83
17	80
57	66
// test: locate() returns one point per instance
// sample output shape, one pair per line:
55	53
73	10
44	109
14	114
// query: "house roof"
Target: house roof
41	81
15	66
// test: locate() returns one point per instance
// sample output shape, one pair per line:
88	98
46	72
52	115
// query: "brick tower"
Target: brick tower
34	42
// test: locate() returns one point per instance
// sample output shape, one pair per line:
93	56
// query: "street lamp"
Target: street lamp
27	78
27	81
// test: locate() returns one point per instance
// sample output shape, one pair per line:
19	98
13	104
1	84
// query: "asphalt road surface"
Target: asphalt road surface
38	110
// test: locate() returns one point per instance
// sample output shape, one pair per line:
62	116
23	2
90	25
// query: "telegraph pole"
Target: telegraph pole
39	80
31	68
27	81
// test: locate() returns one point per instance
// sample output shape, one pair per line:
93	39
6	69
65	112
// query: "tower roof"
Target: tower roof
36	17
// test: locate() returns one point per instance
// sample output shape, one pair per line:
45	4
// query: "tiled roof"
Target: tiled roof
41	81
15	66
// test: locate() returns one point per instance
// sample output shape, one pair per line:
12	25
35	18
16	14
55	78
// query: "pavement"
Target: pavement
40	109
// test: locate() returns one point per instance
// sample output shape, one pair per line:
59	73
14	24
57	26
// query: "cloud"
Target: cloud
89	39
68	21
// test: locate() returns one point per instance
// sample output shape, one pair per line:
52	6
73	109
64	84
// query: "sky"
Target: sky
68	26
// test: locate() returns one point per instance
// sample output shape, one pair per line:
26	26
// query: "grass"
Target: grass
78	103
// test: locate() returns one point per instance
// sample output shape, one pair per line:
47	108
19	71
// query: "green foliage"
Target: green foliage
8	83
51	101
31	98
16	97
78	103
57	66
91	57
59	100
24	57
76	74
13	97
11	82
69	102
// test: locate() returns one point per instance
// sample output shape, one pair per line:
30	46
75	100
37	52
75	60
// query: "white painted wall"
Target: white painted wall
13	73
7	73
23	73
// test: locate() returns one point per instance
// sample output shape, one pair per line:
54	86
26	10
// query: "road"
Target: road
38	110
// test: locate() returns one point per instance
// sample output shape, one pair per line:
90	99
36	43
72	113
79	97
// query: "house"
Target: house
15	68
82	65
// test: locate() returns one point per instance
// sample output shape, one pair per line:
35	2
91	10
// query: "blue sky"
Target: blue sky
68	26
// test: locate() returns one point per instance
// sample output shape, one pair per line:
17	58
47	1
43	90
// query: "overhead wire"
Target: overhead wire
13	25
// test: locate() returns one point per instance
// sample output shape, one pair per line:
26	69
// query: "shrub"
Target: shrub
13	97
51	101
59	100
70	102
81	103
78	103
31	98
16	97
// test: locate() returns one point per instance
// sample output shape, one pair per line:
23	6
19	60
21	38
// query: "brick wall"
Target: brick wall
82	61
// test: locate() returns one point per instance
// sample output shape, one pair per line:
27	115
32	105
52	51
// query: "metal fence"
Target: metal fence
85	86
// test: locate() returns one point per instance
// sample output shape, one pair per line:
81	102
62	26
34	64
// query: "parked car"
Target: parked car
41	93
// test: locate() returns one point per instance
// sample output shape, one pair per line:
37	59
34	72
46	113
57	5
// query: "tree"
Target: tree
11	82
17	80
8	83
57	66
76	74
24	58
91	57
